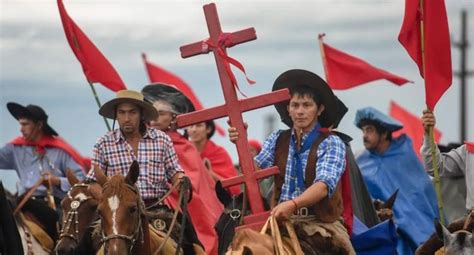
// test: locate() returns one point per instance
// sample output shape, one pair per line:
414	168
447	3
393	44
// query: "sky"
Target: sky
38	67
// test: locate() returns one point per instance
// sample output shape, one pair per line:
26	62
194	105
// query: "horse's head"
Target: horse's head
385	210
460	242
120	211
79	208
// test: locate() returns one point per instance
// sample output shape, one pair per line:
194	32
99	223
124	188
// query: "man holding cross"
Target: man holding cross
311	161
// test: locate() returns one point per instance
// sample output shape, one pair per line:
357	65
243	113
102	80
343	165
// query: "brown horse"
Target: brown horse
79	208
123	220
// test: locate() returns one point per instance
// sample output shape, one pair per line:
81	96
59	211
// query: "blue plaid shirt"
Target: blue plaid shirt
329	167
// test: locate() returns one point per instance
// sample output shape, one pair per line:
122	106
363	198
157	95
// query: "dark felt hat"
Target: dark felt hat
298	77
32	112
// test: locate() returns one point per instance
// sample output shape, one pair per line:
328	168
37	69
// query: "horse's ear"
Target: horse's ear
71	177
99	175
222	194
391	200
133	173
446	235
438	229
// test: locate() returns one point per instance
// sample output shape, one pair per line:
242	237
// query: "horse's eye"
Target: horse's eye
93	207
132	209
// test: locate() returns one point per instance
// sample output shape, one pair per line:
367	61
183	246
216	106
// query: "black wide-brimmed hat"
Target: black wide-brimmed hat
298	77
32	112
170	94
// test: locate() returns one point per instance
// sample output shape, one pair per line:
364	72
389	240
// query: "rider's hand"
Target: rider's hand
428	119
55	181
284	210
233	134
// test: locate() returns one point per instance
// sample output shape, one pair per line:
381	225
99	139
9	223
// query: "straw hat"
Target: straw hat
108	110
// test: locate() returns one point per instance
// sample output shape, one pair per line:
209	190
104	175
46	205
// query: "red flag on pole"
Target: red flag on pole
159	74
344	71
412	126
95	66
427	27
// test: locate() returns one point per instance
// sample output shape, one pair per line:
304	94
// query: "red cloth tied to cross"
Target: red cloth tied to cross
224	41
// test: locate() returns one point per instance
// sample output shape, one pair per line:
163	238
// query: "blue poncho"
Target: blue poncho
415	207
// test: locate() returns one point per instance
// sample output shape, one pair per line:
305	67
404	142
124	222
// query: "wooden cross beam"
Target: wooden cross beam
233	108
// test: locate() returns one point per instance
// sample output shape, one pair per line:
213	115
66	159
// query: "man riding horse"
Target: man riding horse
311	161
134	141
40	159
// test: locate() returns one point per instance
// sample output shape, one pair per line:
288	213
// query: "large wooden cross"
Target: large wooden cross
233	108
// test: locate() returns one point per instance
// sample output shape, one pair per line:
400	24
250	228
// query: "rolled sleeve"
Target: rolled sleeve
331	162
97	160
171	159
266	157
450	164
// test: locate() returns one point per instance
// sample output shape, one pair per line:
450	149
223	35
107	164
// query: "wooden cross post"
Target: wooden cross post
233	108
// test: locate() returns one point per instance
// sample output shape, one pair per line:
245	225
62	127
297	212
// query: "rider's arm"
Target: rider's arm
6	157
450	164
69	163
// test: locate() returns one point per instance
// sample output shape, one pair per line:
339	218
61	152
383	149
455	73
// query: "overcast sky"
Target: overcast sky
38	67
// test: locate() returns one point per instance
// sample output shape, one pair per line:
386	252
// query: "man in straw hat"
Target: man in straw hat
152	149
389	164
39	154
311	162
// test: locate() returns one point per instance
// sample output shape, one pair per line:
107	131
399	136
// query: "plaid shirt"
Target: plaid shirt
156	157
329	167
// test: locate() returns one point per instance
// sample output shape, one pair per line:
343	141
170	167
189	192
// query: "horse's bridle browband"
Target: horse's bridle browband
138	231
72	217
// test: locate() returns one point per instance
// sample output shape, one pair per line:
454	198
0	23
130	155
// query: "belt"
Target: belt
304	211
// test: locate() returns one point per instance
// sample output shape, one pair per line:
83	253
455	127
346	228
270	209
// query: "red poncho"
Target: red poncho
56	142
204	208
221	163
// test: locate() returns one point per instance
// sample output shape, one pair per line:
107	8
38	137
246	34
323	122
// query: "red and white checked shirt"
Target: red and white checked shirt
156	157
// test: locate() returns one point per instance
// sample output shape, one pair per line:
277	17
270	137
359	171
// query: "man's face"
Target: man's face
198	133
165	116
304	111
128	117
29	129
370	137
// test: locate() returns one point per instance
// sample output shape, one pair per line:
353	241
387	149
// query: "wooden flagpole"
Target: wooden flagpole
98	104
323	56
433	149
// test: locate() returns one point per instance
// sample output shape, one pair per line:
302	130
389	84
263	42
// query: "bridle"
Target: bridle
136	235
71	221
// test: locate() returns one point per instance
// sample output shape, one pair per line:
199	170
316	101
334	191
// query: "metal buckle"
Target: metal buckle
303	211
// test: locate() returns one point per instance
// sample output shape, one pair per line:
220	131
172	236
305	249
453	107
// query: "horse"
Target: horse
79	209
230	218
384	210
16	234
124	220
457	238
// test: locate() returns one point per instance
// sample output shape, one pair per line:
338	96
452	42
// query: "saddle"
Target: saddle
37	232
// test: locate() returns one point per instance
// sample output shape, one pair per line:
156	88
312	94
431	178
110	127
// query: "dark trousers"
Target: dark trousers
45	215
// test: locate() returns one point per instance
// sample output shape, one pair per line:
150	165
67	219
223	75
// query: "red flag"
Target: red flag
437	46
159	74
412	126
344	71
95	66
